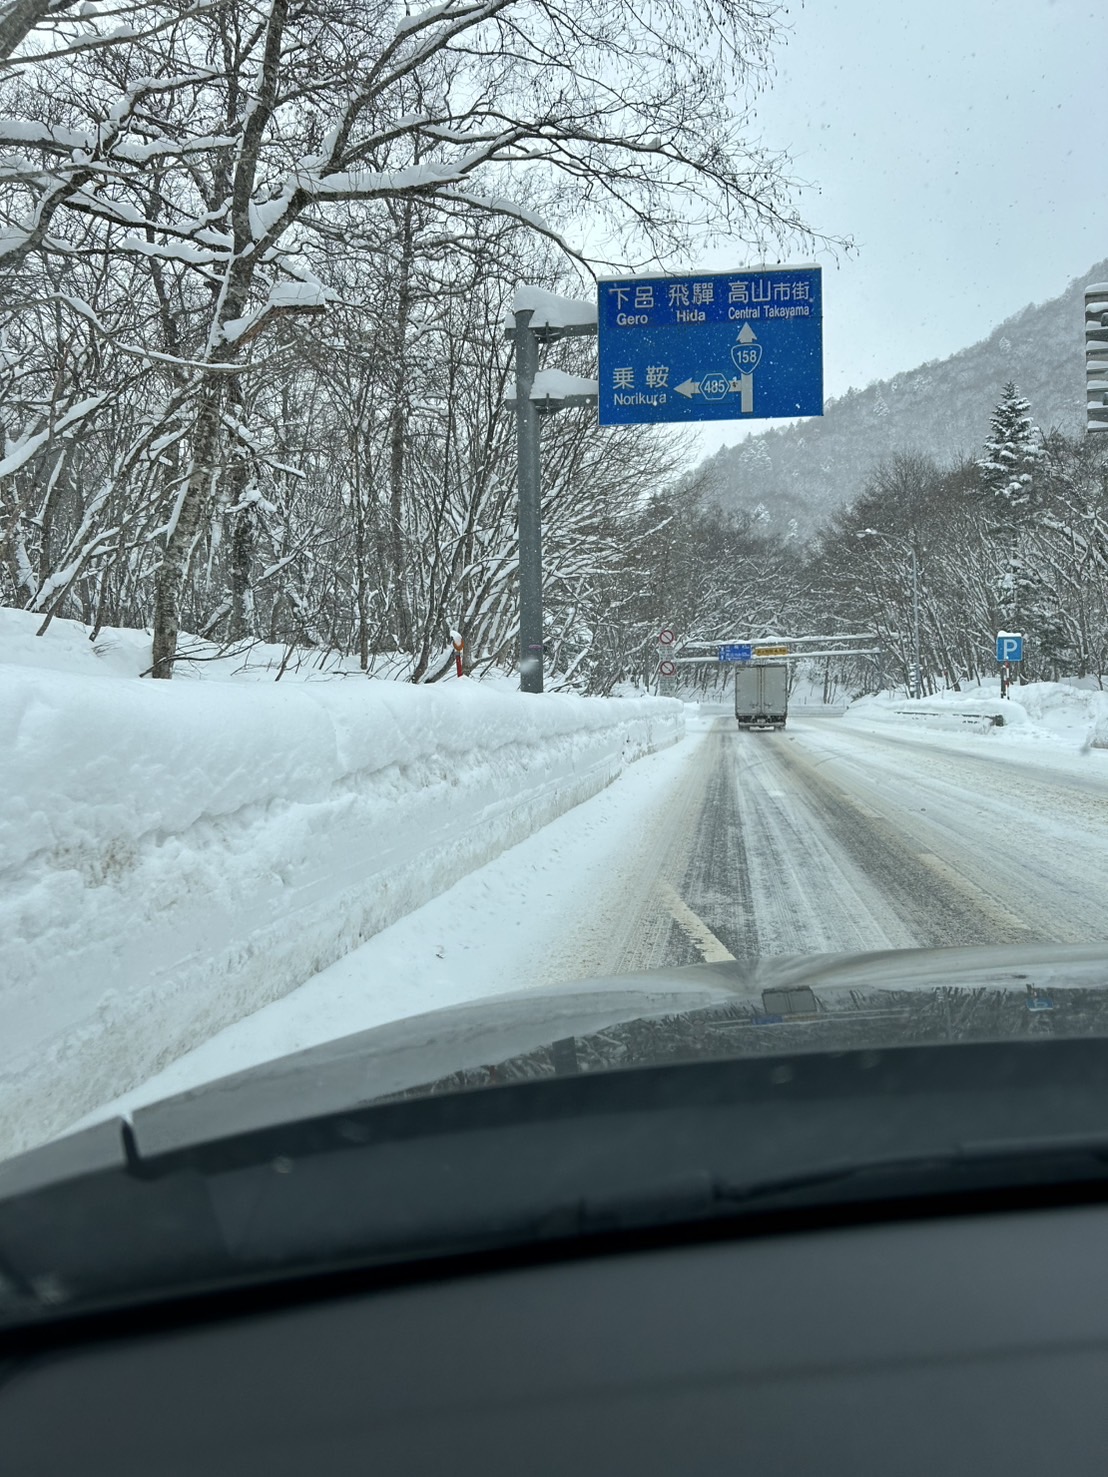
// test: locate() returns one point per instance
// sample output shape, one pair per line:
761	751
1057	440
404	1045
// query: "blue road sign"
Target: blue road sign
1009	648
738	653
739	345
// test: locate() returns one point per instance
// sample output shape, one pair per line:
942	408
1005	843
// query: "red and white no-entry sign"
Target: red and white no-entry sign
666	637
667	669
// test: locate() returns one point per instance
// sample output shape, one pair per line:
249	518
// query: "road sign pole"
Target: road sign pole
530	507
667	668
1009	649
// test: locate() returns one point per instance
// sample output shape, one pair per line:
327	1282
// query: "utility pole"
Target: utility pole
917	684
530	506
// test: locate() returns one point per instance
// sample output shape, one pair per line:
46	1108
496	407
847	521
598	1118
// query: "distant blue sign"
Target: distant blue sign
1009	648
740	345
738	653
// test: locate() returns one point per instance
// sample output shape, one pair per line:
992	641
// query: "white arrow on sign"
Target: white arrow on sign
741	385
746	354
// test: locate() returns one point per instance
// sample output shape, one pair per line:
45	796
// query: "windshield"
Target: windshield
500	495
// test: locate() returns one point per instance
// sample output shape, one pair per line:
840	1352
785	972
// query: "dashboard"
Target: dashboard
964	1344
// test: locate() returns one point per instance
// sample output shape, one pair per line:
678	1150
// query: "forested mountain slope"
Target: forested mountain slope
804	472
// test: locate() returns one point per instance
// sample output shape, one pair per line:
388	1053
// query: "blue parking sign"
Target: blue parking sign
1009	647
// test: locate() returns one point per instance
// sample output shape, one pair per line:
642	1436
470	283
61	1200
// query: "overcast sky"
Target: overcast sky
963	144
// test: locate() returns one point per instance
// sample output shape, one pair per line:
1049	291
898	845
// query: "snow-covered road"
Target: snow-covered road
971	842
824	837
848	839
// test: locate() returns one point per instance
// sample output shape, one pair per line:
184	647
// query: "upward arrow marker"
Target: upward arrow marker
747	334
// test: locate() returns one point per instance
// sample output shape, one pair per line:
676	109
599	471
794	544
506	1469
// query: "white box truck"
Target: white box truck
762	695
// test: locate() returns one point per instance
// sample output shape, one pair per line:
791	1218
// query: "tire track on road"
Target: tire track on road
809	892
715	883
936	902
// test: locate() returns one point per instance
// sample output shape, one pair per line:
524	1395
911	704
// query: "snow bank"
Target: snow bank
175	855
1066	715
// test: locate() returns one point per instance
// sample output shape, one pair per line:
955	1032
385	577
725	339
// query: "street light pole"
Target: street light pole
530	507
530	324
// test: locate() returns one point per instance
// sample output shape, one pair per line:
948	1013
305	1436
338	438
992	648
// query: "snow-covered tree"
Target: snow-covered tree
1014	451
226	157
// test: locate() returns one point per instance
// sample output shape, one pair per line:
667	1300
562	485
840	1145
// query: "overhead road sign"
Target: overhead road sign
789	641
771	651
739	652
746	344
1009	647
794	656
804	656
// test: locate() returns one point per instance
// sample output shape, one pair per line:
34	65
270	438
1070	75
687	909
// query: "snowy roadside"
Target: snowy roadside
513	924
1052	722
175	855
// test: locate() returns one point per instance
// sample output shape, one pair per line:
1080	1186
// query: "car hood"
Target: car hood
606	1106
814	1002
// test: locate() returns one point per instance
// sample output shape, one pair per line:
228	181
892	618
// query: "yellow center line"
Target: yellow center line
711	949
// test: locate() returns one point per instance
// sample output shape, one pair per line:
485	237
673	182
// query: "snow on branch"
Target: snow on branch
305	296
20	452
352	184
409	23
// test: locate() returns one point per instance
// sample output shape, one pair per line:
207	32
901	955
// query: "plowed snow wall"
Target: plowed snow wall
175	855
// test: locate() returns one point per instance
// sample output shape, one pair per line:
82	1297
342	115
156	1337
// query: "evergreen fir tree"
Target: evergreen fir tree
1014	451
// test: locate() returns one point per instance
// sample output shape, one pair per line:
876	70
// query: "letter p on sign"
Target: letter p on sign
1009	648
